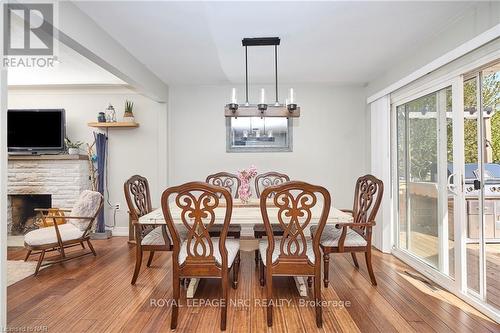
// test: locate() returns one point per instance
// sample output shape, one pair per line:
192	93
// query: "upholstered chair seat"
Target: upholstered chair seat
48	235
331	236
232	246
155	236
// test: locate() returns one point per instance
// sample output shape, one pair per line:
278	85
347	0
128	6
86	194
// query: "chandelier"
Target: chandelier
262	109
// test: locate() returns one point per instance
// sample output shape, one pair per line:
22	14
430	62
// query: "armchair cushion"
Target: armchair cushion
48	235
331	236
86	206
232	246
277	250
155	236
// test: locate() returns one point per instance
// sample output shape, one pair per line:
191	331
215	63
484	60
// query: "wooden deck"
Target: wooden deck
425	246
95	295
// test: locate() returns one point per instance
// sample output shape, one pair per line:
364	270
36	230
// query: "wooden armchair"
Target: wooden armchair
232	183
293	254
356	236
200	255
262	182
148	237
58	237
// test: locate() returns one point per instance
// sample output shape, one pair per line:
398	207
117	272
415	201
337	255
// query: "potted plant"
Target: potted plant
128	116
73	147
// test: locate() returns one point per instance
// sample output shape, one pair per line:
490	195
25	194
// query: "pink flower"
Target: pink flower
245	175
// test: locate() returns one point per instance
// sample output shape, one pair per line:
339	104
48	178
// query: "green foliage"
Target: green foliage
495	136
129	106
423	135
70	144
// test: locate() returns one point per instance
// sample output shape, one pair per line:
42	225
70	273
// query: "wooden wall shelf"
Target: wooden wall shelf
114	125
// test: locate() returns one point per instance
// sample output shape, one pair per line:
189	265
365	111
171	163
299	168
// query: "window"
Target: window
255	134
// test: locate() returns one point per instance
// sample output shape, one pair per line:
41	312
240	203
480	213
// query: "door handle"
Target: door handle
477	184
452	187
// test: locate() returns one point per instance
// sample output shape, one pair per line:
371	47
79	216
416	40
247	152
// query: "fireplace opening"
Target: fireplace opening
24	216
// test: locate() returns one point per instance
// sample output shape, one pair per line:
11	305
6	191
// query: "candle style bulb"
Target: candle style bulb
262	96
292	97
233	96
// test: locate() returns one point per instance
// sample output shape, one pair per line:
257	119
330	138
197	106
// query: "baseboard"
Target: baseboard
120	232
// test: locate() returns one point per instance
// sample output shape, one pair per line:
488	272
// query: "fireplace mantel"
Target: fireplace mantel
47	157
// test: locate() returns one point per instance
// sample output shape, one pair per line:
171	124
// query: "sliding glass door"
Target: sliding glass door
482	184
447	183
424	132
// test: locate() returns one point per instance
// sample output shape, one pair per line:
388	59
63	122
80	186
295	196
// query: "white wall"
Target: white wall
131	151
329	139
484	16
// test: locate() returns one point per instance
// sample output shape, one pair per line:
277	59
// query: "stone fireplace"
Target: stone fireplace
42	181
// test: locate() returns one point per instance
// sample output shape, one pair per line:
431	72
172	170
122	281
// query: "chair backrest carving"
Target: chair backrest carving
200	205
138	196
367	198
227	180
267	179
295	202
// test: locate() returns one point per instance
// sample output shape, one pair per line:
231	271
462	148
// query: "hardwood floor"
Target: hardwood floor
95	295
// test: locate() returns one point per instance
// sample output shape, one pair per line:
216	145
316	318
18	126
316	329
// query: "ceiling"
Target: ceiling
71	67
328	42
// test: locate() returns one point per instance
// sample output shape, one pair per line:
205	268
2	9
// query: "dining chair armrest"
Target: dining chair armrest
349	211
345	225
354	224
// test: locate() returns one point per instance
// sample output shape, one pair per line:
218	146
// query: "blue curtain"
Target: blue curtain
101	142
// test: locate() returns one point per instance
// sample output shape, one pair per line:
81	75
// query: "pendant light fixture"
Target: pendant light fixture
262	109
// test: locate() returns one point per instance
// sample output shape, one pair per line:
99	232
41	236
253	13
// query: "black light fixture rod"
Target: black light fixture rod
246	74
276	71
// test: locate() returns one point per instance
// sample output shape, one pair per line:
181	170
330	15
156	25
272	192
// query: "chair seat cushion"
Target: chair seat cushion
155	236
45	236
331	236
87	205
276	252
232	246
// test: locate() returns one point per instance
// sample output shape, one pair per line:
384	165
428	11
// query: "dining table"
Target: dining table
245	214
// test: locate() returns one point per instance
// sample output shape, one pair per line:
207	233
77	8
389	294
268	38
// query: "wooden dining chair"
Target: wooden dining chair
262	182
293	254
147	237
232	183
355	236
200	255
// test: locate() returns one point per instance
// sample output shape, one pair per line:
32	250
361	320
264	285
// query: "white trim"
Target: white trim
3	198
456	53
459	220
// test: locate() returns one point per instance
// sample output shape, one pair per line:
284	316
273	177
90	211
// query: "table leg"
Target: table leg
191	290
301	284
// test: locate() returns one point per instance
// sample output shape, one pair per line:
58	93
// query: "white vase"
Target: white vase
73	151
129	119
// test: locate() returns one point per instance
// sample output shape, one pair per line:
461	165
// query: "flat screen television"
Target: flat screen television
36	131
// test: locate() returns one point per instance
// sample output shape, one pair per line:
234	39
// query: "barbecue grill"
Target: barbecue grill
491	200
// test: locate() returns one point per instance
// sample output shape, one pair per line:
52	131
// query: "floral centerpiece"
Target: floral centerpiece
245	176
